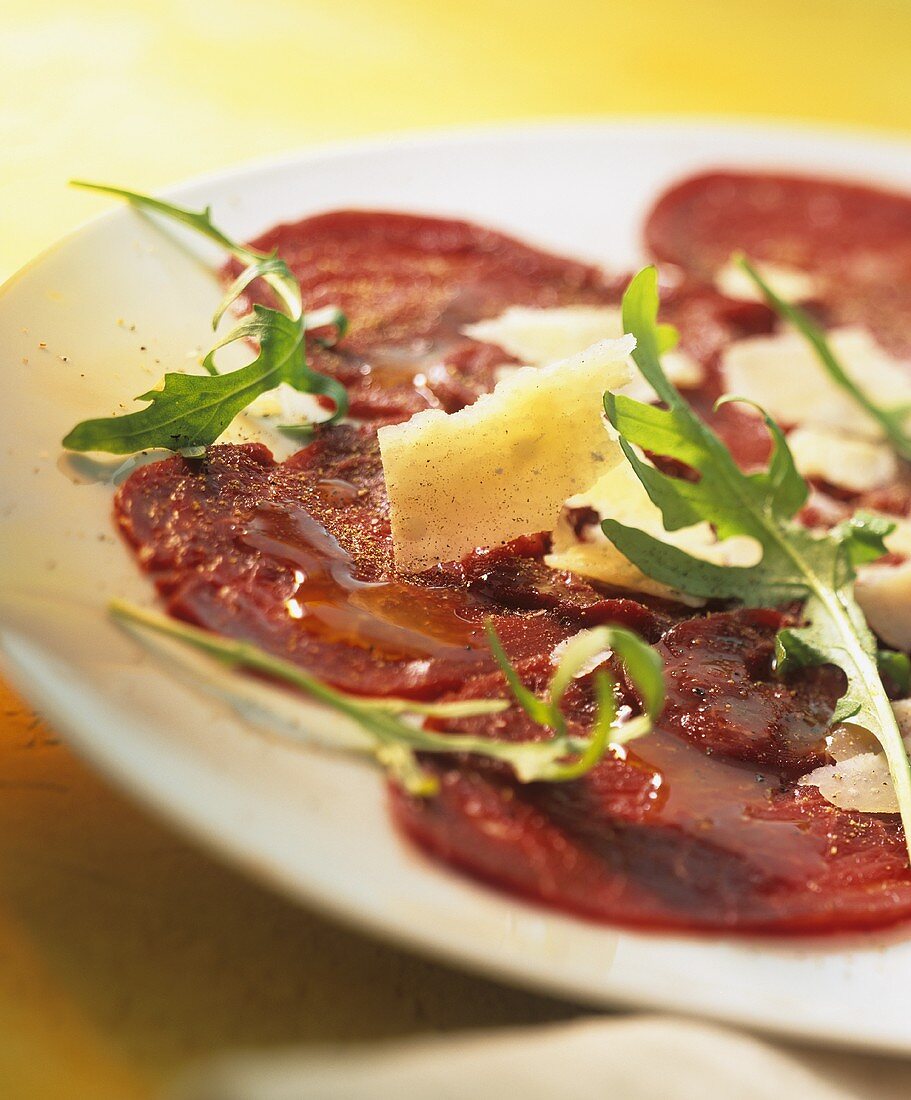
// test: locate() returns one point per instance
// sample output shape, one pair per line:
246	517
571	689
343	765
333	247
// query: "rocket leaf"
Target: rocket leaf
394	741
893	421
190	411
796	564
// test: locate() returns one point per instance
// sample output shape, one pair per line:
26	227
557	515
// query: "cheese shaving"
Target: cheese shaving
782	374
542	336
859	779
620	495
899	541
789	283
501	467
846	461
884	595
288	404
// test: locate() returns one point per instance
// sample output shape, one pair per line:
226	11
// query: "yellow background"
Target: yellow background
146	93
124	951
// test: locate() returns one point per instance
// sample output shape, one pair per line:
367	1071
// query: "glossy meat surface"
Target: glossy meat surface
699	826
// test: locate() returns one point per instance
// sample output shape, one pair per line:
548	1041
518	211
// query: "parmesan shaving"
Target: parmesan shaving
783	375
859	779
542	336
501	467
620	495
679	368
884	595
843	460
789	283
859	783
899	540
288	404
595	661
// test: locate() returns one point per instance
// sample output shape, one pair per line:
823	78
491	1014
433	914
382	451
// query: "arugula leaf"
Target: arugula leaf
894	421
272	270
395	742
796	564
191	411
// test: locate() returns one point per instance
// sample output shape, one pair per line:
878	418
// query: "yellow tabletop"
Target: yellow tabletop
125	951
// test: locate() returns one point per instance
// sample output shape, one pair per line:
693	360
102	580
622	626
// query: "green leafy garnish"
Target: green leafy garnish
395	742
191	411
893	421
796	564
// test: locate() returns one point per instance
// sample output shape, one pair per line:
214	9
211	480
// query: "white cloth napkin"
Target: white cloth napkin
599	1058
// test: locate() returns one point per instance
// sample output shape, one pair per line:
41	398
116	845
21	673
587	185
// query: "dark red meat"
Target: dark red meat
408	285
699	826
856	240
669	838
297	557
721	693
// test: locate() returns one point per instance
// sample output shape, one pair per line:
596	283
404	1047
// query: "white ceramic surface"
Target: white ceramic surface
121	300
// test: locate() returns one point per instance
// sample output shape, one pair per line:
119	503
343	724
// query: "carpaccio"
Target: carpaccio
699	826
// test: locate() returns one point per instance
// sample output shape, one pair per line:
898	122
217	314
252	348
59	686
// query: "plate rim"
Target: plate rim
312	894
880	138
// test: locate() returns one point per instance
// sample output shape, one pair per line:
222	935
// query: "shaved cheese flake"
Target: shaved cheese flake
787	282
847	740
884	595
902	708
542	336
620	495
860	783
501	467
289	404
679	368
899	541
782	374
859	779
595	661
843	460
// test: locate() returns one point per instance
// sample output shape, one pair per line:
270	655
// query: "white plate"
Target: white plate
121	299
